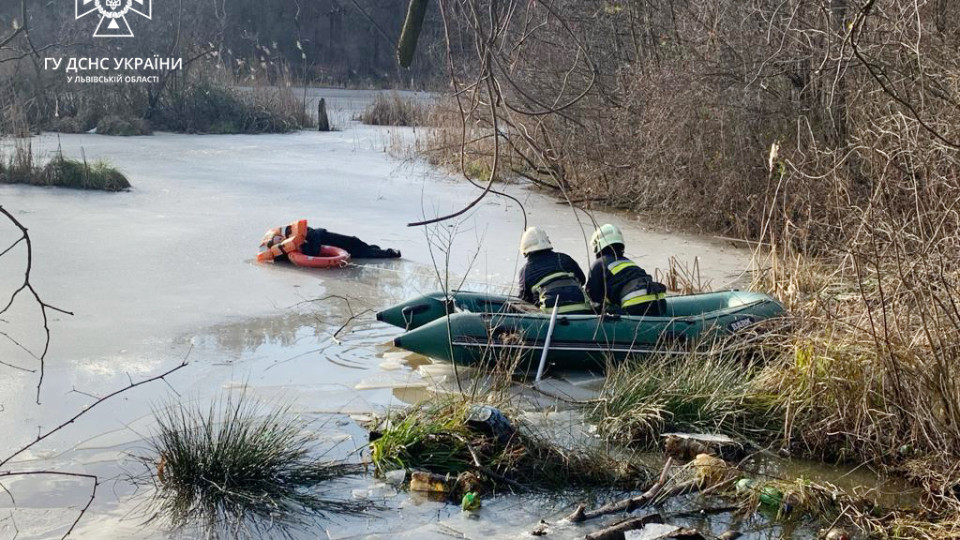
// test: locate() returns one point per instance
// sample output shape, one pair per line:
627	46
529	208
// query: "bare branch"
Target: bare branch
100	401
26	285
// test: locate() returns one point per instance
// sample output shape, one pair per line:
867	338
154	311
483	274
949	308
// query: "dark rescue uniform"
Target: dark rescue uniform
618	283
358	248
550	278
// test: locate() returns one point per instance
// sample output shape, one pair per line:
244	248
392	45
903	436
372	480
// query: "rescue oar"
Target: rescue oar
546	343
571	394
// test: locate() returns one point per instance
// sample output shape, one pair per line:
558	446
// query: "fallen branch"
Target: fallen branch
703	511
617	530
486	470
626	505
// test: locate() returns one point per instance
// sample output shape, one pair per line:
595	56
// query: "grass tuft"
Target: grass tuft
699	392
22	168
395	110
240	469
70	173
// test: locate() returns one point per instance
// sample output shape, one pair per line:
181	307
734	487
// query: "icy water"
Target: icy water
166	272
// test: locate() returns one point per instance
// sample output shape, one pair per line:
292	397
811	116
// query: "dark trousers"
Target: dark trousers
357	247
654	309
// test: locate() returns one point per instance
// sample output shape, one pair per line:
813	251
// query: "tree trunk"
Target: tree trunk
416	11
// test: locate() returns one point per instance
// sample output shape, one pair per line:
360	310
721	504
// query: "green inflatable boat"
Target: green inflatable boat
476	328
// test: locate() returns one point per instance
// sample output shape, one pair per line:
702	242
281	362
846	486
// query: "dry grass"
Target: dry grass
702	393
869	372
869	369
396	110
207	106
461	144
201	100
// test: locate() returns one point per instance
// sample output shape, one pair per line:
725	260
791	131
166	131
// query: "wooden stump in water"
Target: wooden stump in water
323	122
686	446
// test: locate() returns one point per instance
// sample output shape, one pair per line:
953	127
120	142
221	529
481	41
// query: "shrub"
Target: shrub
68	124
63	172
205	107
123	126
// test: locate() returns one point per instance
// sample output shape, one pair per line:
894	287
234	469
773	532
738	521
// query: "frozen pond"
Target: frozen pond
166	271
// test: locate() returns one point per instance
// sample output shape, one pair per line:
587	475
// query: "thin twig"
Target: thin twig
26	285
83	511
72	419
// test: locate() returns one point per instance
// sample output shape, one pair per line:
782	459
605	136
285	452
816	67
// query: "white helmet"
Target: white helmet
534	239
606	235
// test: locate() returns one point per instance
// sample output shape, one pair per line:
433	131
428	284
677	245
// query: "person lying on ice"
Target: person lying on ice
297	236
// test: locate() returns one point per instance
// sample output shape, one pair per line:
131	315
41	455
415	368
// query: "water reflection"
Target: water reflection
342	312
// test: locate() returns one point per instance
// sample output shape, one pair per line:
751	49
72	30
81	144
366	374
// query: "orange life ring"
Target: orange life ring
330	257
282	241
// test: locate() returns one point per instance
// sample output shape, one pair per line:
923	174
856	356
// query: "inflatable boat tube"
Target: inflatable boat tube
330	257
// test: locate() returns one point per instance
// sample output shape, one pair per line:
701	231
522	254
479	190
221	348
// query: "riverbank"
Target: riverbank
861	375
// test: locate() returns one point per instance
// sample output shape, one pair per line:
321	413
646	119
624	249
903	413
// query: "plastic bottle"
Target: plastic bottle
489	419
429	482
470	502
769	495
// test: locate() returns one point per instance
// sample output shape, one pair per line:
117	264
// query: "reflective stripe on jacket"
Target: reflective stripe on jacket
562	288
550	278
620	282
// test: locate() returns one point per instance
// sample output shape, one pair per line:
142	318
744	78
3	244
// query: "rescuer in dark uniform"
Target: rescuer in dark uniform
549	277
618	283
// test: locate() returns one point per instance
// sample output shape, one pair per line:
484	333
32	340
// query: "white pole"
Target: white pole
546	343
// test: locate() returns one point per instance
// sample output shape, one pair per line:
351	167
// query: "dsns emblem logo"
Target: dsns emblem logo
113	15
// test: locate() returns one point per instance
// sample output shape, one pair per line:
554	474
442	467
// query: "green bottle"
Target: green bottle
470	502
769	495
